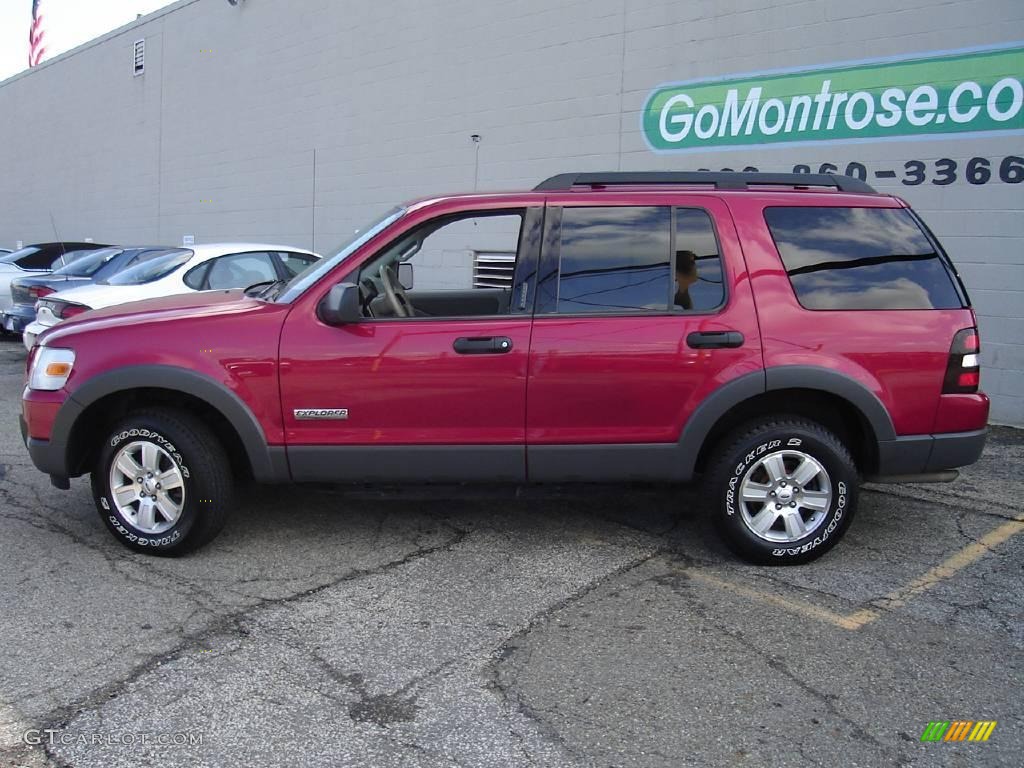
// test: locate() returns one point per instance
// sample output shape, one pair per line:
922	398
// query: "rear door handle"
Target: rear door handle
482	345
715	339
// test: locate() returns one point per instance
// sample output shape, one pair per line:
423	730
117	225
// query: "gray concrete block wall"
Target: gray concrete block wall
299	122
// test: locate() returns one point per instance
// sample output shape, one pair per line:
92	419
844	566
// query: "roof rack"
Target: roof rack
563	182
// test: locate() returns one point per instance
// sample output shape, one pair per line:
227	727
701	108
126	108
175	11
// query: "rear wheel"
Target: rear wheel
785	490
162	482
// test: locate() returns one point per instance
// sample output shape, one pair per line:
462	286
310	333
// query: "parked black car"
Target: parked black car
94	266
37	258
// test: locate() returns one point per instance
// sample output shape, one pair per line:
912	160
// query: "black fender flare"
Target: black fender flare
839	384
268	464
728	396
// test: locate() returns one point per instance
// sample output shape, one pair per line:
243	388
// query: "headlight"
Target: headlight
50	369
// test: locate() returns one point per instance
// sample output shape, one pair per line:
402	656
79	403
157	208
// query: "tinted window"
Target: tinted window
24	258
151	270
698	264
860	258
240	270
614	259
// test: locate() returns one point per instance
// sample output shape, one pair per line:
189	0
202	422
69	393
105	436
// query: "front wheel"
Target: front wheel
785	490
162	482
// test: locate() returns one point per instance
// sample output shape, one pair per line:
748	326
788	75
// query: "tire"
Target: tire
192	508
810	498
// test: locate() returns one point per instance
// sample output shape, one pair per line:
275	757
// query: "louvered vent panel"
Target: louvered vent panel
493	269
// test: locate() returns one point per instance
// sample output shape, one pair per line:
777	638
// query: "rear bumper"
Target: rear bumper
17	318
919	454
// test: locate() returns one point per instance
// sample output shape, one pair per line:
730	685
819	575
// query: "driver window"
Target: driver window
449	267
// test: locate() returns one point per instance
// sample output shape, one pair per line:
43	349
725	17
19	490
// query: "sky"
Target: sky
68	23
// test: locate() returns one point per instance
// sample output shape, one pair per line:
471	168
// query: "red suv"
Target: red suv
781	336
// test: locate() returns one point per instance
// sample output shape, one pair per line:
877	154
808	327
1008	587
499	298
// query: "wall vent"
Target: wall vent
140	57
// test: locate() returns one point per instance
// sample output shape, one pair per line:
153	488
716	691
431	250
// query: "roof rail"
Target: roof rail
724	180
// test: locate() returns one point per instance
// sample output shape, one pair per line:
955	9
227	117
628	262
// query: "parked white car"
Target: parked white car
216	266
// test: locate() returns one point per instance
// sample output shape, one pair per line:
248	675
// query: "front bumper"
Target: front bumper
923	454
47	415
45	455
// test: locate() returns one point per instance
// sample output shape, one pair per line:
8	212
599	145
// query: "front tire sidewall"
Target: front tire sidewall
166	542
837	519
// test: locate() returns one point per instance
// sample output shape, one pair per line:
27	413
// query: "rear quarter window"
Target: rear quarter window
861	258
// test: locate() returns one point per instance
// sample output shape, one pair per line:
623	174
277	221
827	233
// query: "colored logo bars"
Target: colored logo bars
959	730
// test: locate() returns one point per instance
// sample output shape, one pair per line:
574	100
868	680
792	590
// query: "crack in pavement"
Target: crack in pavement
506	691
231	625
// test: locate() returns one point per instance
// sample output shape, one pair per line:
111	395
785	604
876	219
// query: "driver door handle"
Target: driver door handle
482	345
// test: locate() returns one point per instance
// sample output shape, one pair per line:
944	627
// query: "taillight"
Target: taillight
963	372
70	310
38	291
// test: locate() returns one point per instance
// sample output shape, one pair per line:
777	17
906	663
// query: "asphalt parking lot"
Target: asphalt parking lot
552	627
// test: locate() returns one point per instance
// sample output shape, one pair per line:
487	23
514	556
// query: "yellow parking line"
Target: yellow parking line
953	564
894	600
796	606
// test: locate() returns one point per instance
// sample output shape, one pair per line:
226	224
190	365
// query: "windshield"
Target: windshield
295	287
87	266
148	271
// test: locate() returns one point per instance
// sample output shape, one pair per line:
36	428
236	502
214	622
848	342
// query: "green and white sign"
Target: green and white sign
965	92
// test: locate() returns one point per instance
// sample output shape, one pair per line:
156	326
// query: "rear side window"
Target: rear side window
861	258
615	259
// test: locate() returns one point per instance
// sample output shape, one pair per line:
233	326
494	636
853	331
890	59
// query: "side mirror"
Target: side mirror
341	305
405	276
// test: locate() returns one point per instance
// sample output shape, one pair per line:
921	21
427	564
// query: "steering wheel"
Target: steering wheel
395	292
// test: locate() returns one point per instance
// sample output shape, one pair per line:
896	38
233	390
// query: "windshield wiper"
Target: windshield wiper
262	290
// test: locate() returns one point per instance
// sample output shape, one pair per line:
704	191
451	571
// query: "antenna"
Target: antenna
60	242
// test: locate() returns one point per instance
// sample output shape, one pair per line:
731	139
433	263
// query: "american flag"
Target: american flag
36	35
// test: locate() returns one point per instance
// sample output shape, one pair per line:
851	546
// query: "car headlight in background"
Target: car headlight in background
50	368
